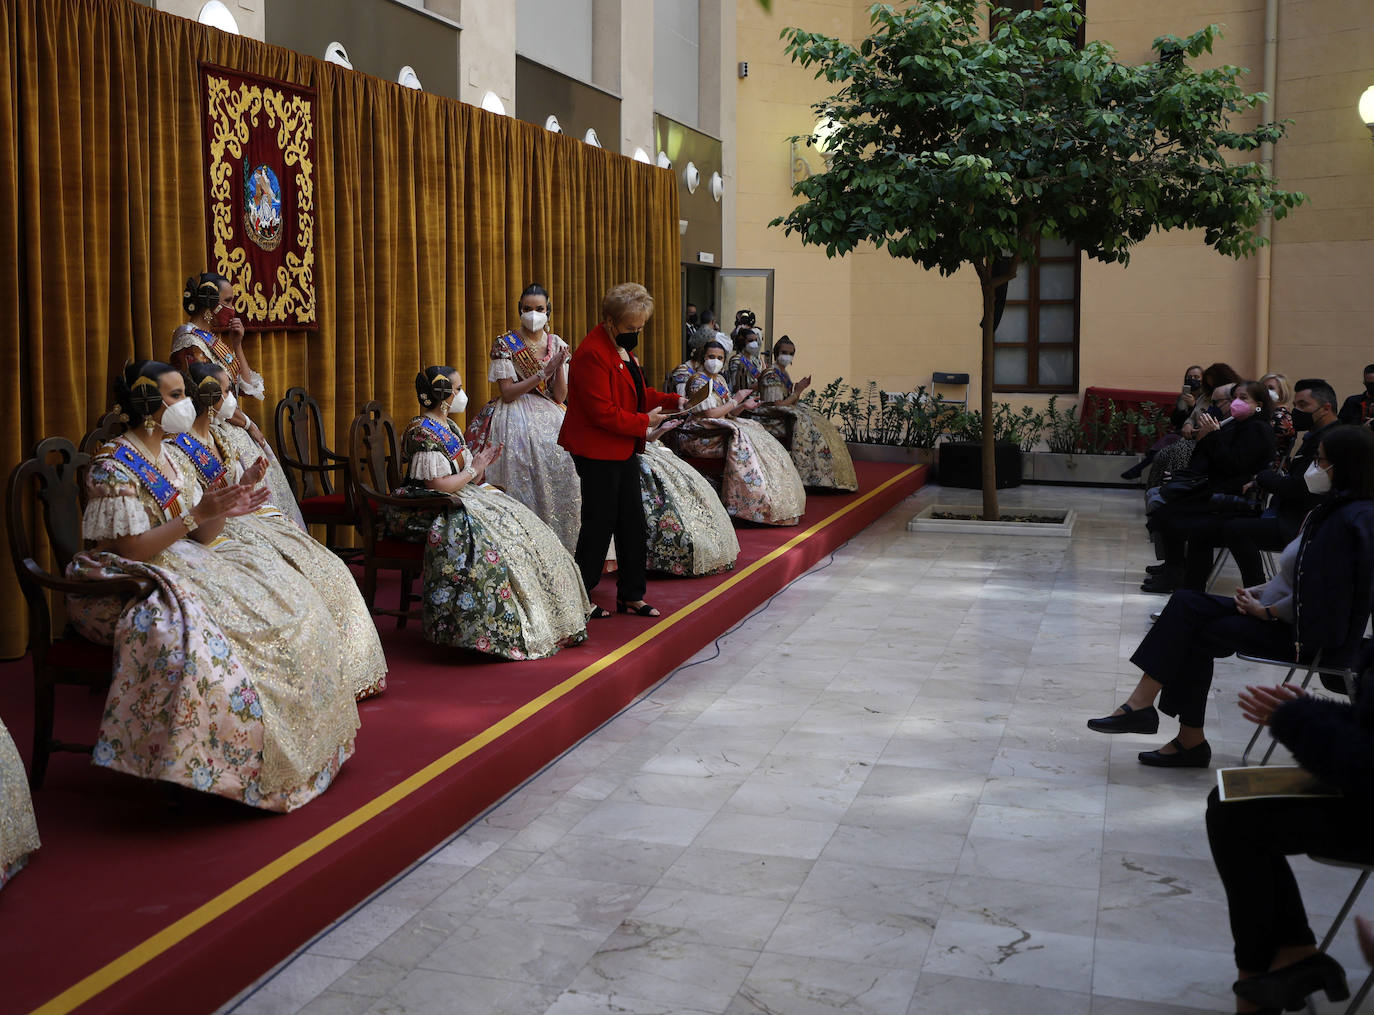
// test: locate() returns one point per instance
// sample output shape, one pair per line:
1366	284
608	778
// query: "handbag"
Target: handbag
1183	487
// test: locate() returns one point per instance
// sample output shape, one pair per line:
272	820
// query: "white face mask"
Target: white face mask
784	359
534	320
227	408
459	402
751	347
179	416
713	365
1318	480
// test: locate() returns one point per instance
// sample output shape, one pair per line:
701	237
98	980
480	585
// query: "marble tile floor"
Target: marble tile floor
880	798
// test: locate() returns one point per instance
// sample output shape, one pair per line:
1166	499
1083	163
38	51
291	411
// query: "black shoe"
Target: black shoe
1159	568
1143	720
1290	986
1164	582
1191	757
1135	470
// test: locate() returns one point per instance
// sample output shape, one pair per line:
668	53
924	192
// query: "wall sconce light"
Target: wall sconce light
591	138
492	103
691	177
663	161
822	134
641	155
407	78
717	187
1367	109
552	125
216	15
335	53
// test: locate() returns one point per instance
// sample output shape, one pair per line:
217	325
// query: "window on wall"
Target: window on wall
1036	342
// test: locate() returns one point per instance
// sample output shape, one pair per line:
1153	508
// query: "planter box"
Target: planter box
890	453
923	522
1080	470
961	465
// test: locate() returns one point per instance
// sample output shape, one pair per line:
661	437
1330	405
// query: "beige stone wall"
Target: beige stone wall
868	317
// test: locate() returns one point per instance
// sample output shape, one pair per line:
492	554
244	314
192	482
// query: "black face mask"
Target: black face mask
1302	420
1192	383
1369	388
691	318
627	340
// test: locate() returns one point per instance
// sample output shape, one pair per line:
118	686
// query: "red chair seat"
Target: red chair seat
397	549
75	653
324	505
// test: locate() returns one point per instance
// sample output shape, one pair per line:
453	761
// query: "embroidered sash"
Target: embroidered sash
718	386
153	480
220	351
526	363
751	368
448	440
211	469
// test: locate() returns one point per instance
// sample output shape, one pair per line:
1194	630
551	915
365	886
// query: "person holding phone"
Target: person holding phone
496	578
610	410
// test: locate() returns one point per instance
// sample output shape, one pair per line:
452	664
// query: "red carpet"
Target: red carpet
129	907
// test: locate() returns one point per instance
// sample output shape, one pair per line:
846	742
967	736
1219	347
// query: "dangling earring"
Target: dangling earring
209	318
149	425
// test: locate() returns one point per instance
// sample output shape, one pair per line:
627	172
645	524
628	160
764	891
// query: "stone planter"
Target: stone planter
923	522
961	465
890	453
1078	470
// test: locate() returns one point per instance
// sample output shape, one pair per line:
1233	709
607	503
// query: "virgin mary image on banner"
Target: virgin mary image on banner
260	195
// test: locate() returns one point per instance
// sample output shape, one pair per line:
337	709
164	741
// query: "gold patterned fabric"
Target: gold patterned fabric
226	677
18	828
689	529
362	662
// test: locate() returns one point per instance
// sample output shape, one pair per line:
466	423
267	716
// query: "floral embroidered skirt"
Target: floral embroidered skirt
18	830
226	677
496	578
818	449
760	483
688	528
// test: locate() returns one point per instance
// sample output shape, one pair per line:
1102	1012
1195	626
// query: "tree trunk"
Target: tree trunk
991	513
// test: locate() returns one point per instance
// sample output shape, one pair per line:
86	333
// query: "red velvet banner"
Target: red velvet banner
260	195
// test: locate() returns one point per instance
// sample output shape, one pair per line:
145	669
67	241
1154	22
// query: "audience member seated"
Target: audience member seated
760	483
18	829
1359	408
1183	408
689	532
1277	960
496	578
530	366
213	333
745	368
1281	397
818	451
1322	606
676	381
1225	460
224	681
1174	457
1314	413
221	455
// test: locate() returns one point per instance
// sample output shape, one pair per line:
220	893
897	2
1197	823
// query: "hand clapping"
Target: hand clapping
1258	703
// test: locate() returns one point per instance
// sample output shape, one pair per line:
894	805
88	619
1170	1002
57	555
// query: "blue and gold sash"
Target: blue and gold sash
525	360
751	368
718	386
211	469
148	474
448	440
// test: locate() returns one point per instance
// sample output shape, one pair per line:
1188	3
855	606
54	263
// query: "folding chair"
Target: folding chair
1365	870
942	379
1346	674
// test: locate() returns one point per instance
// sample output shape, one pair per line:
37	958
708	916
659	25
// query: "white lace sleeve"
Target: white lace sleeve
251	384
502	369
114	517
427	465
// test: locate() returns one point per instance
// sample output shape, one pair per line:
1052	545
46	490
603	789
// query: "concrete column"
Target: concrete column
636	25
486	48
719	79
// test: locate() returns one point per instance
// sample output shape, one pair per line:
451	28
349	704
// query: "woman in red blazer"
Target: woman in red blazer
610	409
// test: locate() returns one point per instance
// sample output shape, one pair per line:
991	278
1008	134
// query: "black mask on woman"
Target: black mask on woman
627	340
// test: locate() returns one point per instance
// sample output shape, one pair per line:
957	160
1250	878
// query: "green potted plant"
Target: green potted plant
880	426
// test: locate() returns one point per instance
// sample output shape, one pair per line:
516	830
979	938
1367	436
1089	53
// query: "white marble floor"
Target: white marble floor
880	798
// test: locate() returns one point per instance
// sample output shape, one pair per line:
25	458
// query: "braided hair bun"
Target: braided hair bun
205	389
434	385
136	390
201	293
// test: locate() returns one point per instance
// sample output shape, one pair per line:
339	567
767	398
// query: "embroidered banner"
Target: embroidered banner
260	195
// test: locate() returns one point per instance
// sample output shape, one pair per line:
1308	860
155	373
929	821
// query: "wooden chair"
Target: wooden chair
310	465
64	658
107	429
374	472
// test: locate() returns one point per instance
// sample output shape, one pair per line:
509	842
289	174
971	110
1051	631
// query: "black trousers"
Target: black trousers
1193	629
1251	841
1244	535
611	506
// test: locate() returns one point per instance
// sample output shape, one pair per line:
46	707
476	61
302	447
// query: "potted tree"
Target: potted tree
953	146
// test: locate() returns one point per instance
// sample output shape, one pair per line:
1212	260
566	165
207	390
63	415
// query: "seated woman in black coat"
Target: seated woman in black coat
1225	459
1319	600
1276	954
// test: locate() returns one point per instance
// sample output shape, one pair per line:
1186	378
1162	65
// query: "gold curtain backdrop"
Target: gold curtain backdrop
432	216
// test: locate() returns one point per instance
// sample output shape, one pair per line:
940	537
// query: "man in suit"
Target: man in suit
1359	409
